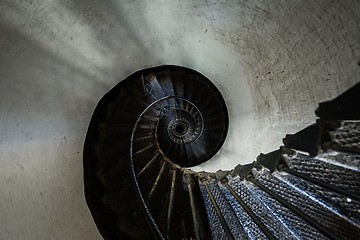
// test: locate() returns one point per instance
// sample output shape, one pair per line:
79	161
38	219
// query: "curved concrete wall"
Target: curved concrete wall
273	61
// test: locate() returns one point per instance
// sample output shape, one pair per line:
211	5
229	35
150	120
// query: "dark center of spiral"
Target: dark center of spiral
180	129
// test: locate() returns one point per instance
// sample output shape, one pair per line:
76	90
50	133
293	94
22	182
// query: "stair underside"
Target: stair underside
308	189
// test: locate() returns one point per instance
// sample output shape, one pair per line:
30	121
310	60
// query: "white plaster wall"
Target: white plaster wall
273	61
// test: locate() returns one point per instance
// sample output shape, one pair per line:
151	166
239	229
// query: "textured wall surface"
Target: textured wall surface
273	61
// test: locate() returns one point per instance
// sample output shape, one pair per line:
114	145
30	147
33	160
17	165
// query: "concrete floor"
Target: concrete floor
273	61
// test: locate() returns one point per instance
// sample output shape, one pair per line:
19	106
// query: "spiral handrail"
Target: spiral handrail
133	172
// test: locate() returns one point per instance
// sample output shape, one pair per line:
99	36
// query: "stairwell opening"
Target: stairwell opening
168	112
180	129
182	108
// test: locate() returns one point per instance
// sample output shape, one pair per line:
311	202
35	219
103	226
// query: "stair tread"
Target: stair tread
346	136
297	192
251	227
217	230
265	215
165	82
336	174
156	89
226	210
293	225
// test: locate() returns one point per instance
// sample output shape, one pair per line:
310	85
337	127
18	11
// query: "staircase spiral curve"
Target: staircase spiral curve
148	130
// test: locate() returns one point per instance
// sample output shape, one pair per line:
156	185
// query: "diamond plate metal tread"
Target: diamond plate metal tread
251	229
345	136
245	190
230	219
345	206
350	161
298	228
337	174
217	230
300	194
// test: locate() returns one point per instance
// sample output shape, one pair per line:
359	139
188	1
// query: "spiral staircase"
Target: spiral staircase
149	130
